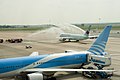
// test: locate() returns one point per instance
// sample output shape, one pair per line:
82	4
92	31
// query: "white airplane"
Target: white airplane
76	37
43	67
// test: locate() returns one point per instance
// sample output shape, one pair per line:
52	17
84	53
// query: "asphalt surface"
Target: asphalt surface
47	46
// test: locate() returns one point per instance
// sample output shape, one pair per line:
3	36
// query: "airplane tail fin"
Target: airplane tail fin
88	31
99	45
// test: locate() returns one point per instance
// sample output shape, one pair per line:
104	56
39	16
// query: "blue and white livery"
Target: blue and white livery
40	67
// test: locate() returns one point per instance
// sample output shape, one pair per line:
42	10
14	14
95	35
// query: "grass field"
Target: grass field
42	28
100	27
23	29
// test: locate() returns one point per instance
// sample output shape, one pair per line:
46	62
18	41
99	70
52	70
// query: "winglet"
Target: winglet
34	54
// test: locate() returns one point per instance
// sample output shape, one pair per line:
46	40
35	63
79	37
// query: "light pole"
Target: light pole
99	23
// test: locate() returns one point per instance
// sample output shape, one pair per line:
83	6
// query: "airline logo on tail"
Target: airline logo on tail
88	31
99	45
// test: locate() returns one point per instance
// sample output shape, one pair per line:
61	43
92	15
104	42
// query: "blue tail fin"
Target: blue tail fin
98	46
88	31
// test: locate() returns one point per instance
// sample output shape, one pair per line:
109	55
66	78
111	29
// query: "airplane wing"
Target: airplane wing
62	70
34	54
66	37
93	37
114	54
61	38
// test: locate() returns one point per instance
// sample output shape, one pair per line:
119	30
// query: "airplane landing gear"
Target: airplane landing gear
77	40
97	74
52	78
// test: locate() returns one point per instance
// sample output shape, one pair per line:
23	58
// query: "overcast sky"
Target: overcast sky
58	11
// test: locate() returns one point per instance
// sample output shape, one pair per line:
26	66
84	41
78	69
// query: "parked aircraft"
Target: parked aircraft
43	67
76	37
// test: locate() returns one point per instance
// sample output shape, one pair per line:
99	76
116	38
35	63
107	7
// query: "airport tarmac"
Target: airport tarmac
46	46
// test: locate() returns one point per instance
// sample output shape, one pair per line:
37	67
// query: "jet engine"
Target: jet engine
35	76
